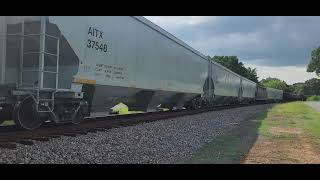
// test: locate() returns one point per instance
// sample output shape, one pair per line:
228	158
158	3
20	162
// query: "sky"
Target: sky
277	46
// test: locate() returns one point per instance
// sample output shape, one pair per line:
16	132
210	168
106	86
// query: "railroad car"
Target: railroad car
274	95
261	94
64	69
248	91
303	97
293	97
224	84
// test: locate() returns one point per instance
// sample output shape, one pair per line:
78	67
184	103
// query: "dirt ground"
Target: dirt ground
289	150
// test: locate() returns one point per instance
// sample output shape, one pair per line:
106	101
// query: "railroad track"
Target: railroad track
13	135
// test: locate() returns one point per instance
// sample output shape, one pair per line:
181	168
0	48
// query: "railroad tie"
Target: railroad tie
10	146
41	139
69	134
91	130
81	132
25	142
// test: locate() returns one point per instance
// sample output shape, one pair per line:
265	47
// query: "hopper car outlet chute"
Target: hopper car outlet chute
63	69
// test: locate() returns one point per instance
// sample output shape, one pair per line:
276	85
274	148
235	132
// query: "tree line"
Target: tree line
309	87
233	63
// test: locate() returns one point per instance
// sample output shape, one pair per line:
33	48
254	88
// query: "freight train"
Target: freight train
63	69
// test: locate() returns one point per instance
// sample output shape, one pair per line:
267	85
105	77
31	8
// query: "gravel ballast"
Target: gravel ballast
166	141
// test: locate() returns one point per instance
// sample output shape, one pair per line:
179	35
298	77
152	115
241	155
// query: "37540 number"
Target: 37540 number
97	45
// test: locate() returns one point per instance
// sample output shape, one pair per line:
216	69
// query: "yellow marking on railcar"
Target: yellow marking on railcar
84	81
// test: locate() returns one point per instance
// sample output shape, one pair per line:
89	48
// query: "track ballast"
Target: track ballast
10	136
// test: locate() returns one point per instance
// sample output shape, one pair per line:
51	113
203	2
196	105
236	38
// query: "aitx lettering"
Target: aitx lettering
95	33
94	43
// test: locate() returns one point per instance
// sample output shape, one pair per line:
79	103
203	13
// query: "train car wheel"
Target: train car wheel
26	115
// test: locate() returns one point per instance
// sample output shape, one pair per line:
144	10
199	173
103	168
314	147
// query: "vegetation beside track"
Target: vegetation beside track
292	115
7	123
286	133
313	98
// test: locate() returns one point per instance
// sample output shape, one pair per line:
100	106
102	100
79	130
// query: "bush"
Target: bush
313	98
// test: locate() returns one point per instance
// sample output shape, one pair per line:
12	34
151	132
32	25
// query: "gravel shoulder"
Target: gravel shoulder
162	142
314	104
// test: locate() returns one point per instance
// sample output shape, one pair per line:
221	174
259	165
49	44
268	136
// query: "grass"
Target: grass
313	98
293	115
234	146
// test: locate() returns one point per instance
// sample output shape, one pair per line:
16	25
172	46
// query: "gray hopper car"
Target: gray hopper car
63	69
274	94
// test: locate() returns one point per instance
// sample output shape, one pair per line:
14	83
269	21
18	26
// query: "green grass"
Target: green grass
7	123
233	146
313	98
293	115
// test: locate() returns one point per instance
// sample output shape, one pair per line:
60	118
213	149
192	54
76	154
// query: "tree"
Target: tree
314	65
232	63
298	88
275	83
312	87
252	74
309	87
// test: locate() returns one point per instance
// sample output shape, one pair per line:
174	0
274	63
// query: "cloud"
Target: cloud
172	22
289	74
277	41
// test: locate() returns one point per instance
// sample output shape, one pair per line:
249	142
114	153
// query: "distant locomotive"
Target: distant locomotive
64	69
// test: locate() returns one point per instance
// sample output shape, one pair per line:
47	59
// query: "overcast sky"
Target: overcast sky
277	46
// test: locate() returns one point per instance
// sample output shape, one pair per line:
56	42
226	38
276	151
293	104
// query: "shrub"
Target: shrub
313	98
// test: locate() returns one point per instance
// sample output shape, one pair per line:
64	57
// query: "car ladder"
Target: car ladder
43	96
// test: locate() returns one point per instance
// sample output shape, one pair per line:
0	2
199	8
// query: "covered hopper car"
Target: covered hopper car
287	97
52	69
